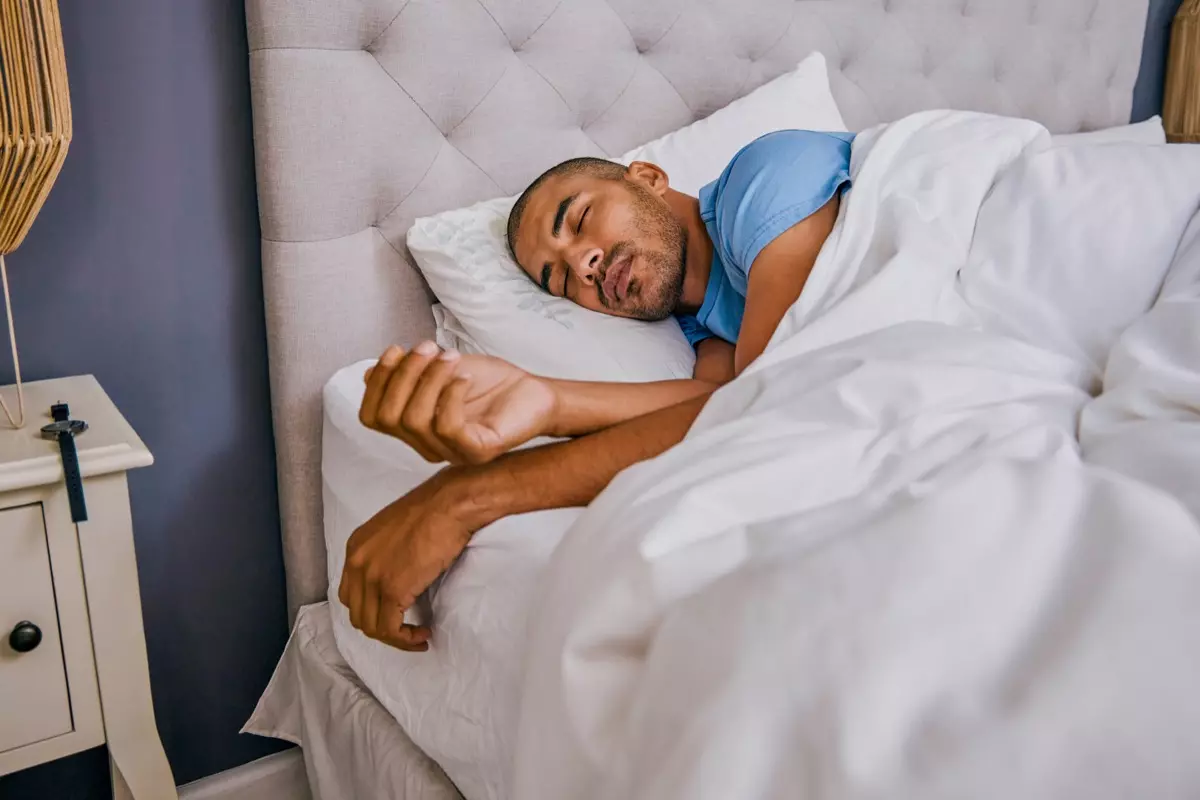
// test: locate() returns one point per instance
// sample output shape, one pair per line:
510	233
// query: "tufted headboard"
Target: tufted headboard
369	113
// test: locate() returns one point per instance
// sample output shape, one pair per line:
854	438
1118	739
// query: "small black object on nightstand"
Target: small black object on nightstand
64	429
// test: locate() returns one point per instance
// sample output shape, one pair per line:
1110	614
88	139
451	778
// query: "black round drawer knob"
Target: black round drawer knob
25	637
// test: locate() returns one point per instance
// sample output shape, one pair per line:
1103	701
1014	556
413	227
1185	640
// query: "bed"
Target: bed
370	114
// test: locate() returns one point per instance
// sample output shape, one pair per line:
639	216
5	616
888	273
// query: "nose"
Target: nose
586	264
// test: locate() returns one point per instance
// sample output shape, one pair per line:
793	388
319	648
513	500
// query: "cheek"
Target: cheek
618	223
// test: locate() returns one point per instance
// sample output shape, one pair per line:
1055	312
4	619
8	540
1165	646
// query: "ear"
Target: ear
651	176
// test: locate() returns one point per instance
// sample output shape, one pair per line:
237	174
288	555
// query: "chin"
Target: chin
660	307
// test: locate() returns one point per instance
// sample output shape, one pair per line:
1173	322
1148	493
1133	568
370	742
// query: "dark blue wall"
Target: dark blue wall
1148	94
143	269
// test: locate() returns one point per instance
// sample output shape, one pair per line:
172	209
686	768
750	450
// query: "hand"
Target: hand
397	554
456	408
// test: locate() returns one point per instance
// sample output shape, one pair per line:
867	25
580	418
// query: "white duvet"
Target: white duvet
941	540
882	564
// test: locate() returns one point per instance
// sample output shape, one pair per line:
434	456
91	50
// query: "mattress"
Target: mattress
353	748
458	702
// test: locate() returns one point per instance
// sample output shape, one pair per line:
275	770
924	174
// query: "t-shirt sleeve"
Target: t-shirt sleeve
693	330
771	184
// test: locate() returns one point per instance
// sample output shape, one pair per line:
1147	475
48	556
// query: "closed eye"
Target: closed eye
579	226
548	274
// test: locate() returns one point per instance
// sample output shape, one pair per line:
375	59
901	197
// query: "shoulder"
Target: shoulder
769	185
788	148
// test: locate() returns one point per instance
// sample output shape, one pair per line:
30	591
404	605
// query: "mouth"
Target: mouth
617	279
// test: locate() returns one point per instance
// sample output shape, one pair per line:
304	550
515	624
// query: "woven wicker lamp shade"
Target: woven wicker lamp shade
1181	98
35	130
35	112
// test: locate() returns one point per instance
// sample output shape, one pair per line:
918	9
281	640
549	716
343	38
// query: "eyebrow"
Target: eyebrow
561	215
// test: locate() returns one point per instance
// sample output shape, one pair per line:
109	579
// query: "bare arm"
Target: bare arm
714	361
584	407
567	474
399	552
776	279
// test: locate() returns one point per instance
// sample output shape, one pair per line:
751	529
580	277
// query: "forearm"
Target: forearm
583	407
714	361
567	474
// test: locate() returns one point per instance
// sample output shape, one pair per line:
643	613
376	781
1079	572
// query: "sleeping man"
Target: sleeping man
620	241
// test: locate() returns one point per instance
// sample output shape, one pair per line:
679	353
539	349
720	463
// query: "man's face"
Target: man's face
609	245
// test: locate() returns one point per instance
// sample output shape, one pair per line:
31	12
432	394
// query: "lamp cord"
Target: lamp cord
19	422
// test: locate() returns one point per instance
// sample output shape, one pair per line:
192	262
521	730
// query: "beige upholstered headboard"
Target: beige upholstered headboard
368	113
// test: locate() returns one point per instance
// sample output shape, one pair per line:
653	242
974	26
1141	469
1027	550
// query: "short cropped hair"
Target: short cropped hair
597	167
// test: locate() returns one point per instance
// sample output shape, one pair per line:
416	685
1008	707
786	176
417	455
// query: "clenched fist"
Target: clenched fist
398	553
452	407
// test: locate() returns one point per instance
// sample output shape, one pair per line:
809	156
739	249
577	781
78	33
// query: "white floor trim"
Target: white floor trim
279	776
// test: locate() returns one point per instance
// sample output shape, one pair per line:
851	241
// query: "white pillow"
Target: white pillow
451	335
1148	132
494	305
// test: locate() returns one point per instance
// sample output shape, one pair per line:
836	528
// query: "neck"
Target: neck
699	251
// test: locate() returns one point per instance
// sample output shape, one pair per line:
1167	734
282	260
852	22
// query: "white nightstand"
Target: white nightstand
85	682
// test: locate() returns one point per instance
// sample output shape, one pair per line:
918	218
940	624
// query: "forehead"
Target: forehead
534	235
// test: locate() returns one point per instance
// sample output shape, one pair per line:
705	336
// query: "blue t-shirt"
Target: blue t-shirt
771	184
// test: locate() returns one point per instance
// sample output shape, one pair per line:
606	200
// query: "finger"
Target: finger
377	380
412	638
450	416
350	594
400	385
393	630
353	574
418	417
344	588
368	613
368	373
479	443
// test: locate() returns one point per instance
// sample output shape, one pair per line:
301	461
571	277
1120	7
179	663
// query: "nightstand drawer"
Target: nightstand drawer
34	701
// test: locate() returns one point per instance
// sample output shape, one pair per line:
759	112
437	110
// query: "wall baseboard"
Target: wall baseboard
279	776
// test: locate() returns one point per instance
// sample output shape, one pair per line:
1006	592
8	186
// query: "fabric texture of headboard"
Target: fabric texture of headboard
369	113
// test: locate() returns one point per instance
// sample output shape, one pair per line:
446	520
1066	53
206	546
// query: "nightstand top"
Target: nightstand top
109	444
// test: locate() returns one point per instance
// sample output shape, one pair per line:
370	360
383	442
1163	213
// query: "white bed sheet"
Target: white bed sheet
458	701
353	748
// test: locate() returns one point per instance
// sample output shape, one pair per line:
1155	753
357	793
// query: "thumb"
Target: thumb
479	443
511	425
